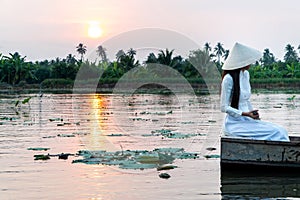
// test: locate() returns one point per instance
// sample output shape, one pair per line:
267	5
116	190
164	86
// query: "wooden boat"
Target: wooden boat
241	154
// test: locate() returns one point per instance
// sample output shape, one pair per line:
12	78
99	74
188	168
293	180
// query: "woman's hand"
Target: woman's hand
253	114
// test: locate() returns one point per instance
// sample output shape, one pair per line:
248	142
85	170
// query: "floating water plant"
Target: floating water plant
41	157
50	136
136	159
211	156
66	135
8	118
156	113
166	167
292	98
64	156
211	148
38	149
116	135
55	119
80	133
164	175
26	100
212	121
170	134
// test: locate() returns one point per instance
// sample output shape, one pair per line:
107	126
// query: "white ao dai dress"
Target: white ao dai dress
236	125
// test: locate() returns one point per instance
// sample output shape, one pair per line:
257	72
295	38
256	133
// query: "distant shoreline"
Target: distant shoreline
198	88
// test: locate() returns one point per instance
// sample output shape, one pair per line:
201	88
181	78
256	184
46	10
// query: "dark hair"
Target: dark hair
235	74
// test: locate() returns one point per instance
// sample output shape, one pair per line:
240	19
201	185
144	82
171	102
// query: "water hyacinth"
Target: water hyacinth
170	134
136	159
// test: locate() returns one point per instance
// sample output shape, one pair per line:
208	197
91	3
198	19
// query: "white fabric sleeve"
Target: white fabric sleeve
250	107
226	91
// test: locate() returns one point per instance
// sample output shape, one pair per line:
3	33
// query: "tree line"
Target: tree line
16	70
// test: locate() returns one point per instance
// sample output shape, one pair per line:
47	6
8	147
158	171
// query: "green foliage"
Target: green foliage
26	100
61	72
57	83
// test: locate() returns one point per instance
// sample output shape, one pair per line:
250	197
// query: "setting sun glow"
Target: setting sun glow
94	30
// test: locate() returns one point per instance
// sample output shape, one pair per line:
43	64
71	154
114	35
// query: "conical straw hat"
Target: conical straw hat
241	56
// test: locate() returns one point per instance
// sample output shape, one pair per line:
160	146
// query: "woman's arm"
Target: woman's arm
226	92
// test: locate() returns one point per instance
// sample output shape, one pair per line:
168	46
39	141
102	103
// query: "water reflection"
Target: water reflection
99	123
259	185
100	115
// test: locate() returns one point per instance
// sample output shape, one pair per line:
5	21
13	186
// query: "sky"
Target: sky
46	29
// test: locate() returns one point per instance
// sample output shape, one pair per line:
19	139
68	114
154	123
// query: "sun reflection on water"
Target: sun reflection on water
98	118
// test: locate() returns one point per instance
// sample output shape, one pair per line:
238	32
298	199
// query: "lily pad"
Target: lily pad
164	175
116	135
55	119
135	159
64	156
148	158
66	135
211	148
212	156
170	134
41	157
8	118
128	165
38	149
50	136
166	167
80	133
186	155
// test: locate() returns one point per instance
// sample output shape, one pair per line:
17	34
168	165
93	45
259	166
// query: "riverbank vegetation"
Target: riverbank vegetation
17	72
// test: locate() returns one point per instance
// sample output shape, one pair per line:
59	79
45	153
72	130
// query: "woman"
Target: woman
241	119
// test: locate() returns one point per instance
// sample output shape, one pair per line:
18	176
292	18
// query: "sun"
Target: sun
94	30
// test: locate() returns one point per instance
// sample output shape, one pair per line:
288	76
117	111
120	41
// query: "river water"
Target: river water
67	123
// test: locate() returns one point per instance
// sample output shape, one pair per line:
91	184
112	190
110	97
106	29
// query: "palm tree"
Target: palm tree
151	58
165	58
131	53
268	58
119	54
102	53
219	51
81	49
71	59
226	54
201	60
291	54
207	47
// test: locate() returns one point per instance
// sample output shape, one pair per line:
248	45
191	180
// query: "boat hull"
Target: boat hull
238	154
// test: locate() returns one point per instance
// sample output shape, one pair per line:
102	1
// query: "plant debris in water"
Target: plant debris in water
41	157
66	135
38	149
63	156
116	135
212	156
156	113
164	175
170	134
136	159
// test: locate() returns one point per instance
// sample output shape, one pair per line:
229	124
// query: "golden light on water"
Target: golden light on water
94	30
99	129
